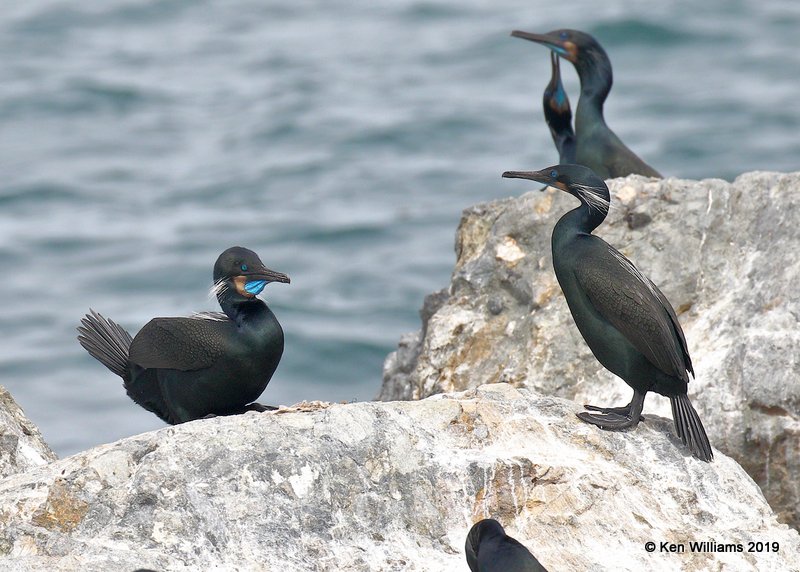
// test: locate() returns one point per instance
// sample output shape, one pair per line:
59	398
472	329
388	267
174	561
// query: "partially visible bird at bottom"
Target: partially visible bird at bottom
208	364
489	549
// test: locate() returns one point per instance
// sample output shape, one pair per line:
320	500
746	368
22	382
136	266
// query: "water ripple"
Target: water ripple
340	140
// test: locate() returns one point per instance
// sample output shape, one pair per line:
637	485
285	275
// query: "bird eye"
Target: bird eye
554	174
563	35
243	267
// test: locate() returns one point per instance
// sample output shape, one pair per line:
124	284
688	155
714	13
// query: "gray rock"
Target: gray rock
725	254
387	486
21	444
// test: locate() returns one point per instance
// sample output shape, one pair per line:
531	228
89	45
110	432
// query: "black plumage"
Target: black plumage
489	549
597	146
187	368
626	321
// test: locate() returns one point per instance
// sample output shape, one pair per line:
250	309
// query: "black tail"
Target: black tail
689	427
106	341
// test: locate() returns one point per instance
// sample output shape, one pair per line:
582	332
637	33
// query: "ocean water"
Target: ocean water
338	139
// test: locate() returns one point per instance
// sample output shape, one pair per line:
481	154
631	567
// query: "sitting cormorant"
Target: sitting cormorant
490	549
597	146
208	364
627	322
558	114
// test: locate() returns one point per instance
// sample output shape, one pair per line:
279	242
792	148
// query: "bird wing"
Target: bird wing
620	161
635	307
184	344
625	162
678	330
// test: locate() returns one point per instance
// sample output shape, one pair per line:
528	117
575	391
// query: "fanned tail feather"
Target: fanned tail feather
106	341
689	427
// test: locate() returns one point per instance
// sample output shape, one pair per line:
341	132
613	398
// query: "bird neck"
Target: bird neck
596	80
578	221
243	312
565	143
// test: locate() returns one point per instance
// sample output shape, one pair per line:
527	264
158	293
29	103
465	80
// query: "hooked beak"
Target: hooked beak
564	49
555	66
538	176
266	275
251	283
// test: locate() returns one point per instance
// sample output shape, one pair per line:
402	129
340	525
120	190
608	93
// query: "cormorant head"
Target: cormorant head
240	273
556	103
577	180
578	47
481	530
558	115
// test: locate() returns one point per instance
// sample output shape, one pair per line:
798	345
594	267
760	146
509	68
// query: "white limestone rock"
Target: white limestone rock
21	444
387	486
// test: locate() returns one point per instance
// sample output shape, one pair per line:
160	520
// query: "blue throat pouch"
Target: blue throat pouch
255	287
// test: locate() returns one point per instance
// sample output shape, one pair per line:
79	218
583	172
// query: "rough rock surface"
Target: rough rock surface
21	444
725	254
387	486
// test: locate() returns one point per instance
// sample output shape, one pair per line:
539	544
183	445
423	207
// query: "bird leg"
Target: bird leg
624	411
260	408
616	418
252	407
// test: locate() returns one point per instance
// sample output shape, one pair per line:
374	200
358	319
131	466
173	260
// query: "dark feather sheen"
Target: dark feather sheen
185	344
633	307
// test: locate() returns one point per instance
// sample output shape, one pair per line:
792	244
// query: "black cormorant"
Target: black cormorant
597	146
208	364
627	322
558	114
490	549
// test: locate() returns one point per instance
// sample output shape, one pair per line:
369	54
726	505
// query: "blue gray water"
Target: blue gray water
338	139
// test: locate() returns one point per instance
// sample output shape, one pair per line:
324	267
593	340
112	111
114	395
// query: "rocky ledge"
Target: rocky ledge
21	444
725	254
389	486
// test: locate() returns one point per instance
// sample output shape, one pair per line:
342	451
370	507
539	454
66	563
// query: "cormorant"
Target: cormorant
627	322
558	114
207	364
597	146
490	549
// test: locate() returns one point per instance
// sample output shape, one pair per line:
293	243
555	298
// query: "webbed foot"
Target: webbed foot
624	411
616	418
609	421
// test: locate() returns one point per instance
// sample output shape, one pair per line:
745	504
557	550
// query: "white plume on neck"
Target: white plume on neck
592	198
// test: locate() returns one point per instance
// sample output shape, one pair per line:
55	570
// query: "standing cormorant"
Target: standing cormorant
558	114
208	364
627	322
490	549
597	146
